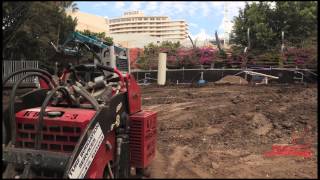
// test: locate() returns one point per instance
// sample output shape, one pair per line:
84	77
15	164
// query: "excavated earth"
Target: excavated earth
223	131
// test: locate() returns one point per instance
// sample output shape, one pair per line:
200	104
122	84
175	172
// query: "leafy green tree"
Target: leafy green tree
102	35
32	31
149	58
13	16
297	19
256	17
68	5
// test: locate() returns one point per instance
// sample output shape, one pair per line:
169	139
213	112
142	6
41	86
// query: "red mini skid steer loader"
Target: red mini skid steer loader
73	129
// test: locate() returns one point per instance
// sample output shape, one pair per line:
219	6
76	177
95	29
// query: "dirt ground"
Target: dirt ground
223	131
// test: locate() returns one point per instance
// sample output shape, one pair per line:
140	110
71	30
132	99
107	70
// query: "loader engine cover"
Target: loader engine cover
61	131
143	137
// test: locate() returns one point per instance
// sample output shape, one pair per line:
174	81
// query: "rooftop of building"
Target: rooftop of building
141	14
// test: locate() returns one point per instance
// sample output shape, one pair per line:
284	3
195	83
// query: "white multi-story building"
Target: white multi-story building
135	22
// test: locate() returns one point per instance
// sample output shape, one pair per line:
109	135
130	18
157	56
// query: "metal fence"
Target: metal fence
12	66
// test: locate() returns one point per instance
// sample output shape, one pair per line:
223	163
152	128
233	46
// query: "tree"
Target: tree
297	19
256	17
31	31
13	17
149	58
68	5
102	35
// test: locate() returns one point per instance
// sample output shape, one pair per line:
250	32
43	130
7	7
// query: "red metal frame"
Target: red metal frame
102	157
60	133
43	84
134	94
72	118
143	134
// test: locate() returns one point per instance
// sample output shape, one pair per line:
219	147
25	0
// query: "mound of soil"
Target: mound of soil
230	79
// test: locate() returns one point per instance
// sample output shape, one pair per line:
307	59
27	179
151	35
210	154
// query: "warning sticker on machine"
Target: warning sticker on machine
87	154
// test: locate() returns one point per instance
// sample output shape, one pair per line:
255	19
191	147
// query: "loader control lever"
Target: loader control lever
91	67
115	70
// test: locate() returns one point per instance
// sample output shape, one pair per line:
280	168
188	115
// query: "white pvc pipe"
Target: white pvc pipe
162	68
112	57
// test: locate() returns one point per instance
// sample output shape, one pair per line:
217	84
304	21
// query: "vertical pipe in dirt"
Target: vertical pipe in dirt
162	68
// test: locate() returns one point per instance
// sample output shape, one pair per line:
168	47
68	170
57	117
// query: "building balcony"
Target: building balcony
155	26
149	29
147	23
157	31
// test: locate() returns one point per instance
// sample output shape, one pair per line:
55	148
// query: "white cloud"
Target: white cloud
135	5
177	8
233	7
119	4
201	36
192	10
233	10
174	8
217	4
100	4
205	9
193	25
164	9
151	6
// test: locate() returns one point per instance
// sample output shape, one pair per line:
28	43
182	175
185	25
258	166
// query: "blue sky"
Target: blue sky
203	17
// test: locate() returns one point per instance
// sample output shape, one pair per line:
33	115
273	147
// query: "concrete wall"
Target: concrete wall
134	40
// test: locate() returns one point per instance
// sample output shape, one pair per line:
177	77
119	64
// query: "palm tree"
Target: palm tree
74	7
70	5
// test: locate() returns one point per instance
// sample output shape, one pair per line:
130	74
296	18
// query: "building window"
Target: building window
152	18
145	19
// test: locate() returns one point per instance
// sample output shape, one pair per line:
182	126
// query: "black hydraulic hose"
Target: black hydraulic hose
69	164
46	102
41	115
12	99
116	165
29	70
85	94
110	69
